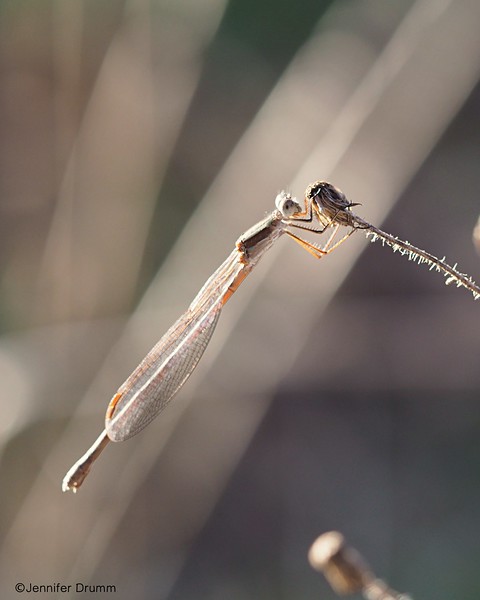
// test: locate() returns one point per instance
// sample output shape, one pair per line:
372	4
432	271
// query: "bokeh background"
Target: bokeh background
139	139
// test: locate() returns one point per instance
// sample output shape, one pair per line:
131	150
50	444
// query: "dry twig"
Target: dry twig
346	570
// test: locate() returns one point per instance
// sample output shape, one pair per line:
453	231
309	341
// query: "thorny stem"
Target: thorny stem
420	256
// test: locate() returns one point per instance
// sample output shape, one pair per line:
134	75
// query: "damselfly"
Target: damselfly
168	365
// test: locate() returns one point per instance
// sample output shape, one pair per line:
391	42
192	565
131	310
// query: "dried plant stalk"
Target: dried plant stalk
346	570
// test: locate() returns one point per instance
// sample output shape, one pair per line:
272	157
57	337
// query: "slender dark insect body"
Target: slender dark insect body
171	361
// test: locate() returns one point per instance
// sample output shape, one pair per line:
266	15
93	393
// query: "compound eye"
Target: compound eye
287	205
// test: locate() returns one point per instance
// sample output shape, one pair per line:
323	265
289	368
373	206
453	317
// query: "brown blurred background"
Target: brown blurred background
138	141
